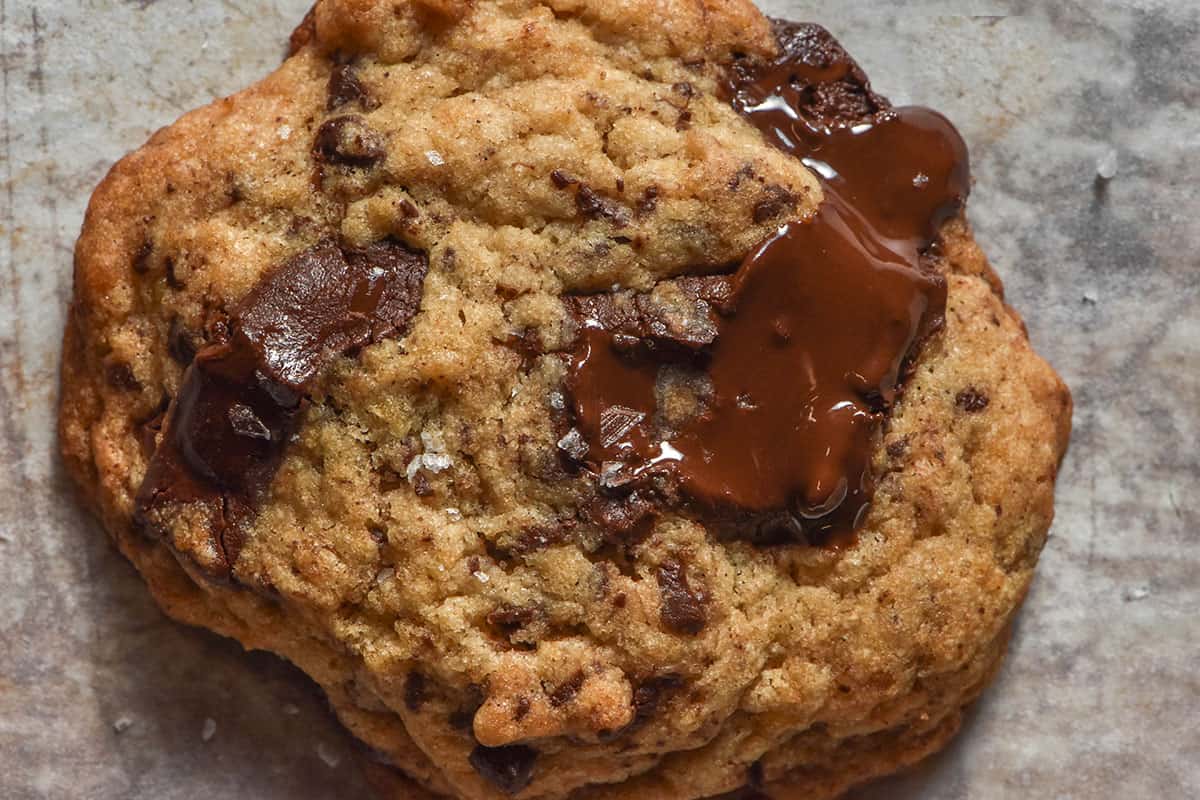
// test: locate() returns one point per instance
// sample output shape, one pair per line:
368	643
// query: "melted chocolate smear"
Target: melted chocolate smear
242	397
811	345
508	768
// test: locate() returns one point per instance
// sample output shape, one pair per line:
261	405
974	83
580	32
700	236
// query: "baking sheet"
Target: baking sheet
102	697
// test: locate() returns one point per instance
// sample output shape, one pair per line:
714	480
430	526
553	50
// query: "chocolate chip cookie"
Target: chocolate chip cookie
598	400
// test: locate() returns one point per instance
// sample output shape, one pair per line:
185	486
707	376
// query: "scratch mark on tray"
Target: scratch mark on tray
12	376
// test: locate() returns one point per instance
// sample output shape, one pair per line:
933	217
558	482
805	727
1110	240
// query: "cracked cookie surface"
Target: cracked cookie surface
421	542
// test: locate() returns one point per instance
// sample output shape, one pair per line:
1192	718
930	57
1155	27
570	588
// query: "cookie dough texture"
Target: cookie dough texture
422	552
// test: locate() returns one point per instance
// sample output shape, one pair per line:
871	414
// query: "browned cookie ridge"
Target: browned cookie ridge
456	362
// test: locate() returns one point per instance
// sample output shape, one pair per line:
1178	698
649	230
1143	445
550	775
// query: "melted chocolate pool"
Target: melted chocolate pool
810	349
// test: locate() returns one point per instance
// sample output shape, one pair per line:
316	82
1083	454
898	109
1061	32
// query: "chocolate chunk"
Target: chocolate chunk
508	768
811	340
972	400
679	316
684	607
897	448
172	275
565	692
345	87
649	201
539	537
179	343
649	695
684	89
522	708
242	397
415	692
621	517
511	619
421	486
755	776
464	716
348	141
141	259
814	79
120	376
596	206
562	179
776	202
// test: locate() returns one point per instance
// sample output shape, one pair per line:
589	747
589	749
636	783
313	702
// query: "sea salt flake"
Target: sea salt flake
122	723
1135	594
1107	166
433	442
435	158
209	730
413	467
436	462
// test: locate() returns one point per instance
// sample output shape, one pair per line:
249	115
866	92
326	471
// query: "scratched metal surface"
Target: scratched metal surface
1100	696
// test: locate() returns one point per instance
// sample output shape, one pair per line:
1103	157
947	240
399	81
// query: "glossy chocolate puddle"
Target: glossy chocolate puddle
820	320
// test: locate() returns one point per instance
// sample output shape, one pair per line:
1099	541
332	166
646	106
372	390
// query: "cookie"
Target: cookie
596	400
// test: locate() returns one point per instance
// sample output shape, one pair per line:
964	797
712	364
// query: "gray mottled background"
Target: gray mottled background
1101	694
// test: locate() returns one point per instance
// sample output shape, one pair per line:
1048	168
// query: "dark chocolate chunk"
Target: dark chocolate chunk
684	606
415	692
562	179
755	775
242	396
348	141
421	486
897	448
649	201
565	692
345	87
141	259
508	768
621	517
120	376
511	619
540	537
179	343
522	708
972	400
814	79
464	716
776	202
649	695
596	206
684	89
